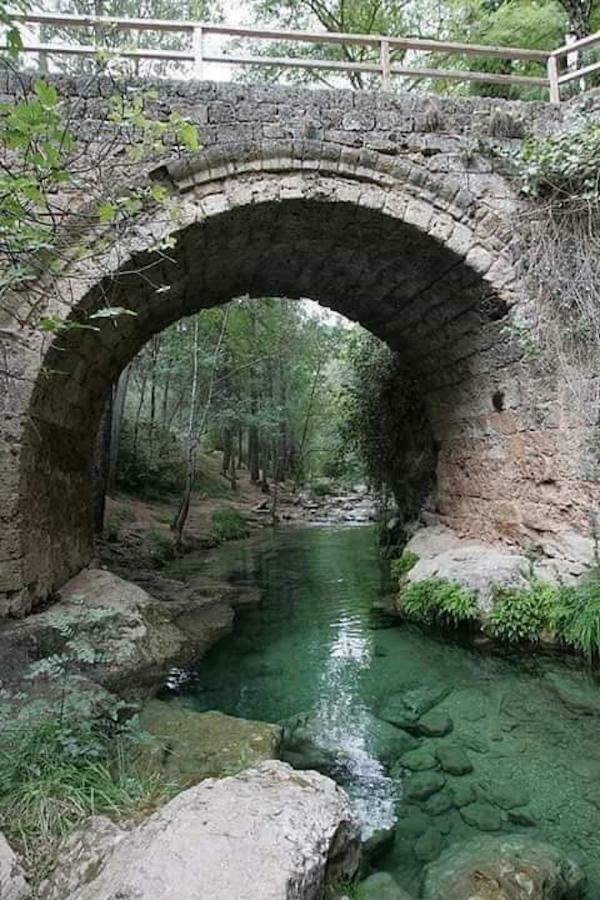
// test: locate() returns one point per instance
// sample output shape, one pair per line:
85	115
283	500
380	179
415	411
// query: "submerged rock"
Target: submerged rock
381	886
378	843
482	816
453	759
511	868
13	885
434	724
423	785
191	746
269	833
419	760
429	846
405	708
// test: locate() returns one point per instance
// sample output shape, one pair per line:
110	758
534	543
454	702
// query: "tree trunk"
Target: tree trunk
101	462
194	434
227	449
118	407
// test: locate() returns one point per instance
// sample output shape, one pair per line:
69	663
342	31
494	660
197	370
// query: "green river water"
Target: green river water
530	725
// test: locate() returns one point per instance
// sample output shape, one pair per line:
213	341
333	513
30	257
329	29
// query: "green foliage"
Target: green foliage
161	547
385	423
576	616
562	166
401	566
323	487
55	772
151	461
522	614
227	524
75	630
438	601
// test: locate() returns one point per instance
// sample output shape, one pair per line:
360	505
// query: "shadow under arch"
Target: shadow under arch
412	269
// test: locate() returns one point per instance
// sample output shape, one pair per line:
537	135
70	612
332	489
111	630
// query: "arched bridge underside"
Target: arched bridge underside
388	210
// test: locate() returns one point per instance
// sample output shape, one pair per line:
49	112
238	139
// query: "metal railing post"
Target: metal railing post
384	56
198	51
553	82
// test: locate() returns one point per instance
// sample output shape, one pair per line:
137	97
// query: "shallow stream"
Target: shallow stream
529	725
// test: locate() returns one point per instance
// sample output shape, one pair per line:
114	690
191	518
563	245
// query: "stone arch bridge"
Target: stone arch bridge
397	211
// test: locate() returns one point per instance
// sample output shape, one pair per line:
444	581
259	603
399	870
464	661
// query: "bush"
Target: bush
401	566
152	464
227	524
161	547
56	772
576	617
437	601
522	614
324	487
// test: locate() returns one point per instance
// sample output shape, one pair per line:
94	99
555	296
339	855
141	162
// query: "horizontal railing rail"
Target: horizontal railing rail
382	65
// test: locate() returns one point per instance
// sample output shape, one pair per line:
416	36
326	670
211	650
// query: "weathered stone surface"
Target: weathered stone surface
81	857
381	886
13	885
191	746
269	832
476	566
139	639
511	868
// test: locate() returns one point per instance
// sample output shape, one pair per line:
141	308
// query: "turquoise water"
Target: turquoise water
529	726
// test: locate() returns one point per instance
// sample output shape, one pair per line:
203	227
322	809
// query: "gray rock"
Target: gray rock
453	759
499	868
476	566
423	785
387	742
81	856
482	816
283	835
13	885
381	886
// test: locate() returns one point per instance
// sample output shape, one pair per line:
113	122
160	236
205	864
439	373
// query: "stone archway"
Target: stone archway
423	266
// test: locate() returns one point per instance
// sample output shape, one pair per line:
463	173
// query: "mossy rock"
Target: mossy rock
482	816
423	785
438	804
419	760
462	793
191	746
434	724
453	759
429	846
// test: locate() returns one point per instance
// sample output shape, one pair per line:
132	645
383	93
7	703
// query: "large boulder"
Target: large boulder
80	857
504	868
475	566
191	746
13	885
138	638
269	833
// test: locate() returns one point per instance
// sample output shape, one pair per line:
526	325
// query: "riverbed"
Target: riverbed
523	729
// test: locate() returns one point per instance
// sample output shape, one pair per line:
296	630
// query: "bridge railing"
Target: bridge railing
382	64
